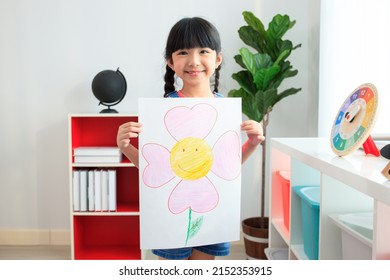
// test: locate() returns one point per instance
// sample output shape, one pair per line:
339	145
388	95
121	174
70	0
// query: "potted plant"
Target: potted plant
263	72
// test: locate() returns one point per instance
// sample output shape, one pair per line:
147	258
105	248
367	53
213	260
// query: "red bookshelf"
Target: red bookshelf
100	235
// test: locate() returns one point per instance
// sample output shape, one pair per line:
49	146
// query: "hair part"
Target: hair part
190	33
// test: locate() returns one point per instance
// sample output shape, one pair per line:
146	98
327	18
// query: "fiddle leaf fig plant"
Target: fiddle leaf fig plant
264	69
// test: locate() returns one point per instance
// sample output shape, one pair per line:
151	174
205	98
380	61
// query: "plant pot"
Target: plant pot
255	237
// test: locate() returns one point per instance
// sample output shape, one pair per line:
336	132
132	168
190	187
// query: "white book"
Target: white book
83	190
91	190
98	159
76	190
98	189
112	190
104	190
96	151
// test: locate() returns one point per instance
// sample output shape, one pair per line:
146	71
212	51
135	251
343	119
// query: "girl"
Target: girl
193	53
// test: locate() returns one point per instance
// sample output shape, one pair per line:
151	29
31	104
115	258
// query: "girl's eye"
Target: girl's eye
181	53
204	51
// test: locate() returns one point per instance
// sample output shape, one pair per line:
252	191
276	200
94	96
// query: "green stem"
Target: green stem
189	224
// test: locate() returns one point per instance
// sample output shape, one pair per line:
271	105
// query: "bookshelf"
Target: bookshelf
348	185
104	235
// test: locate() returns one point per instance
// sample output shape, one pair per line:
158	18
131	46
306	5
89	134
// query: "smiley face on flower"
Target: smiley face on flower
192	158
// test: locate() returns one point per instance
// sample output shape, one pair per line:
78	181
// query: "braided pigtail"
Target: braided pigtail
216	78
169	79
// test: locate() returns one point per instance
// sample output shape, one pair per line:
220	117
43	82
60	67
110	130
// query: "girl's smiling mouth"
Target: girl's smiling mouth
194	73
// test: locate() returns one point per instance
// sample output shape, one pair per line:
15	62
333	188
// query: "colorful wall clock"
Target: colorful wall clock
354	122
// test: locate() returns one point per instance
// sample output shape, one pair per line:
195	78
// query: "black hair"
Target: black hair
190	33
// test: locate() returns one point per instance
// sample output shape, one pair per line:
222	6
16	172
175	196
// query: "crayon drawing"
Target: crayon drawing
200	156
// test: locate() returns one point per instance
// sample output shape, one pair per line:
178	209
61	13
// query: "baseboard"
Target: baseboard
34	237
59	237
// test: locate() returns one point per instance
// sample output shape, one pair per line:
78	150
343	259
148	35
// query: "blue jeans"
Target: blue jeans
221	249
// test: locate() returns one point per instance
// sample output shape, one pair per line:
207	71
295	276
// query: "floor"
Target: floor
237	252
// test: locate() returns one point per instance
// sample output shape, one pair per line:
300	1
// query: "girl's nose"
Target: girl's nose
194	60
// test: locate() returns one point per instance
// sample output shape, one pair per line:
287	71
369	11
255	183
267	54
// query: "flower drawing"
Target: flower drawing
191	159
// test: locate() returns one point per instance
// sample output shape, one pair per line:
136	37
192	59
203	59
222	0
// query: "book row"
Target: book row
94	190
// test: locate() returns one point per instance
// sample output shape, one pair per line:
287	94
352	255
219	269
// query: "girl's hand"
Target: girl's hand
125	132
254	131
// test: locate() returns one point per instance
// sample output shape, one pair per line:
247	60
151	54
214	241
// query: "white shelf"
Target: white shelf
112	213
349	184
107	165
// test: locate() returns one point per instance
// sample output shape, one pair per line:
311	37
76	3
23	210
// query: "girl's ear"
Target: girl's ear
170	64
219	59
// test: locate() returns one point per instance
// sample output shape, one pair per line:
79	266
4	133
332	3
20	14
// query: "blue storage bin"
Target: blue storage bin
310	210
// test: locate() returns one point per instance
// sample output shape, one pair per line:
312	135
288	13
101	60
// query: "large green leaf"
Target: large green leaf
254	22
252	38
282	56
248	60
278	27
245	80
264	76
238	60
285	72
266	100
255	62
287	92
284	49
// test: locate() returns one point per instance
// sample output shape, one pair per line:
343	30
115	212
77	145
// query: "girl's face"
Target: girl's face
195	66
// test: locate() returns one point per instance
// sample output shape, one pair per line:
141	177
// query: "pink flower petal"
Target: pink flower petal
198	121
199	195
158	172
227	156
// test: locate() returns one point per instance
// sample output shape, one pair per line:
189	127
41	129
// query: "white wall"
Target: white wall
354	50
51	50
295	116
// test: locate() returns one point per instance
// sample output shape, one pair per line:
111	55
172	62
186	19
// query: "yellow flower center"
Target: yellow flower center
191	158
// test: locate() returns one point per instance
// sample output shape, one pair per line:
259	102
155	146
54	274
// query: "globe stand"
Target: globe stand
108	110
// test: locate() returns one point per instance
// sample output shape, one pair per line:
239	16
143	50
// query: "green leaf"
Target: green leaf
245	80
248	60
266	100
195	227
262	60
287	92
238	60
279	26
252	38
255	62
254	22
263	77
283	55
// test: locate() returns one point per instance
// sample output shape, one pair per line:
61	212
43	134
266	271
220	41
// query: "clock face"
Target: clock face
355	120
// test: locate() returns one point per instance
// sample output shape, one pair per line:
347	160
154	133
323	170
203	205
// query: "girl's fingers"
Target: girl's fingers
131	128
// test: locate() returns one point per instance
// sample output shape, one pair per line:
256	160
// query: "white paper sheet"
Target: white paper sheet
190	171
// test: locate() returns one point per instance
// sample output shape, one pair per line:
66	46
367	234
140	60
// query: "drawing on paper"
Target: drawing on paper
190	160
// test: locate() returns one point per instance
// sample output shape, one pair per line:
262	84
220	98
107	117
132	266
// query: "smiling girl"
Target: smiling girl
193	54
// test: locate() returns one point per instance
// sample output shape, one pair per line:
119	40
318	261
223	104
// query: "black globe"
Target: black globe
109	87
